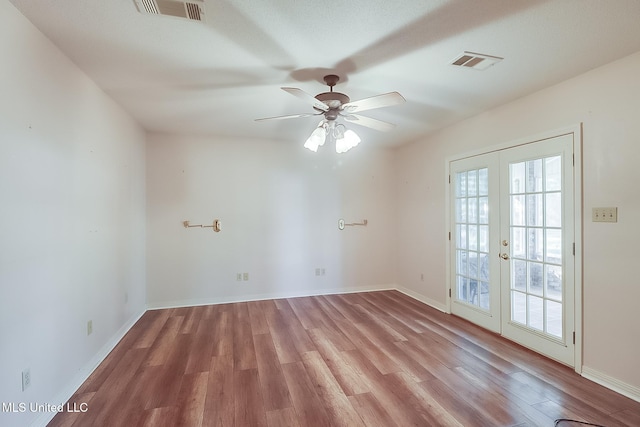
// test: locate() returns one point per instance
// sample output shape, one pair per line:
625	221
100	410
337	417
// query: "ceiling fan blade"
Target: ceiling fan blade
378	101
369	122
309	99
290	116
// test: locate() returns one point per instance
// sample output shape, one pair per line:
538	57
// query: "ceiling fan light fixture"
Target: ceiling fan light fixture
316	139
348	140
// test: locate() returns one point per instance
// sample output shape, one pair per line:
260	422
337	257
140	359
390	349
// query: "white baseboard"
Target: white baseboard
417	296
632	392
266	296
84	372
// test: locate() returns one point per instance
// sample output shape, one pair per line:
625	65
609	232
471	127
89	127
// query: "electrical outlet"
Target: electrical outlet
89	327
604	215
322	271
239	277
26	379
245	276
317	271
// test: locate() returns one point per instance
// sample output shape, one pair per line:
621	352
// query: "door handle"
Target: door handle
504	255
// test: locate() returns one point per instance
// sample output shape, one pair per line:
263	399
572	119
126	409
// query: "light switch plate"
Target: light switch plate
604	215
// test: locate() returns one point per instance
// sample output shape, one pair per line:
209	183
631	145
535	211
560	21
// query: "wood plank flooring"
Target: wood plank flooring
365	359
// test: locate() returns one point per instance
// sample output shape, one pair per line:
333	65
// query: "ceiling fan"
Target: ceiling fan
332	105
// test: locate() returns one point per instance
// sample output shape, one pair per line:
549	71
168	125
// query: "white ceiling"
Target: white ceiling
180	76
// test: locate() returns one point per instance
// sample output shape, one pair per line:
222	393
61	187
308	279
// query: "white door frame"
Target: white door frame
576	130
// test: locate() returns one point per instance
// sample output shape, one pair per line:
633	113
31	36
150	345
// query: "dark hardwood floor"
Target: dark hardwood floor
366	359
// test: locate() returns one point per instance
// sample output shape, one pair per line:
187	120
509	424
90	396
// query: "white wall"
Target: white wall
71	220
279	205
607	102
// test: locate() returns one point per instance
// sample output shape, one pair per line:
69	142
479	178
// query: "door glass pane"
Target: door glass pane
483	210
553	173
518	242
534	175
461	184
461	236
536	244
519	275
535	278
483	267
553	209
553	282
461	214
472	183
517	210
536	313
483	239
554	318
462	264
472	237
473	210
462	288
473	265
517	178
553	245
484	295
483	182
534	210
519	307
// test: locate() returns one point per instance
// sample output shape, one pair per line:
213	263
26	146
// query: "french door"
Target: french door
513	241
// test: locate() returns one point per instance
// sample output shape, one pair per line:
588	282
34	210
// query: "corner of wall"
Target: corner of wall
418	296
85	371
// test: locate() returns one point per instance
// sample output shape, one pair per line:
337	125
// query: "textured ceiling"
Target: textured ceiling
215	78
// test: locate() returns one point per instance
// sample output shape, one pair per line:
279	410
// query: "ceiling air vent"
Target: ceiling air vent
193	9
477	61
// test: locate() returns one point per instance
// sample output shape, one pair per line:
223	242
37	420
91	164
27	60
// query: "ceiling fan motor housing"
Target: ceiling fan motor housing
334	100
